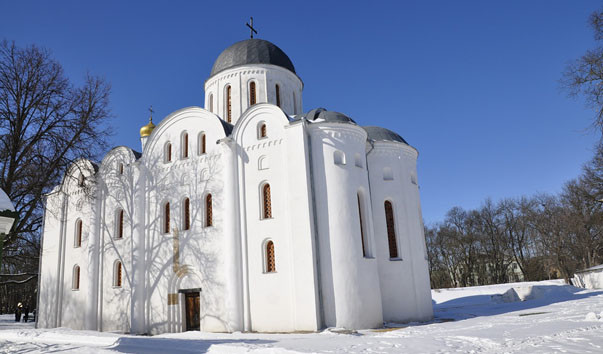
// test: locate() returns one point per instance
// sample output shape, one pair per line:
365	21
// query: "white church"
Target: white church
245	215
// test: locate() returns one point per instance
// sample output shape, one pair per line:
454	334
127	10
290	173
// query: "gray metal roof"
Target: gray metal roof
328	116
251	51
382	134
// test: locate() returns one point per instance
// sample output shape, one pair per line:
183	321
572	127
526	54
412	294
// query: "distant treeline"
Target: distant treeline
528	238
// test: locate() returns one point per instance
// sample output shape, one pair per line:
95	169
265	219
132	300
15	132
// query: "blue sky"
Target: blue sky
473	85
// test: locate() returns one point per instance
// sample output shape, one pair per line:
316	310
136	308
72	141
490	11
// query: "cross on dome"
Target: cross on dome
251	29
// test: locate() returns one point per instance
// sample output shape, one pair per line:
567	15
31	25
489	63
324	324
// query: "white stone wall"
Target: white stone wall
266	78
315	171
350	284
201	249
404	281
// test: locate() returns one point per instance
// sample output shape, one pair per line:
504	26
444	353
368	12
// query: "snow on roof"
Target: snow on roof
598	267
5	203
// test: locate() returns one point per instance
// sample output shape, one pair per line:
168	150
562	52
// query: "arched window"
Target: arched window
166	218
202	143
262	131
184	145
270	258
211	103
228	104
186	217
120	224
117	274
80	180
121	168
362	229
209	216
266	202
252	95
278	95
77	242
75	280
168	152
391	230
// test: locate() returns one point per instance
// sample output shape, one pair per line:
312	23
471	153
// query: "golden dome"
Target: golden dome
147	129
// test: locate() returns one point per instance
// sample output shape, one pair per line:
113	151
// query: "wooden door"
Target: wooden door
193	312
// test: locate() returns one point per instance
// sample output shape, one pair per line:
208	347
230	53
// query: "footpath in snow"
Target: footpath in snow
536	317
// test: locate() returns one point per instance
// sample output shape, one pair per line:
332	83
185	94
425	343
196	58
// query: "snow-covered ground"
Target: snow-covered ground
553	318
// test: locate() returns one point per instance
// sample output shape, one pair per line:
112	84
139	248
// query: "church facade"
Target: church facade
245	215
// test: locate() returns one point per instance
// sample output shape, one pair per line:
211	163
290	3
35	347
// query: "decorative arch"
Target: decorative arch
388	174
358	160
117	274
263	163
339	157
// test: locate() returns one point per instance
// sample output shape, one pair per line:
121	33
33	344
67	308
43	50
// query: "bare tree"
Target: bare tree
46	123
584	76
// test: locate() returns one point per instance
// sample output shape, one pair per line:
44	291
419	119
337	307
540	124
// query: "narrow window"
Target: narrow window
78	233
211	103
75	282
117	274
121	168
186	206
184	145
120	224
209	217
166	218
267	203
294	104
80	180
262	130
362	238
228	105
168	152
201	143
391	230
270	258
252	97
278	95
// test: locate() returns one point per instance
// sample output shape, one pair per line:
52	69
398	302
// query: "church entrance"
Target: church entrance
192	309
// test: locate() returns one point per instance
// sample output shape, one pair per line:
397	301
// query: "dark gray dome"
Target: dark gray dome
328	116
251	51
382	134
